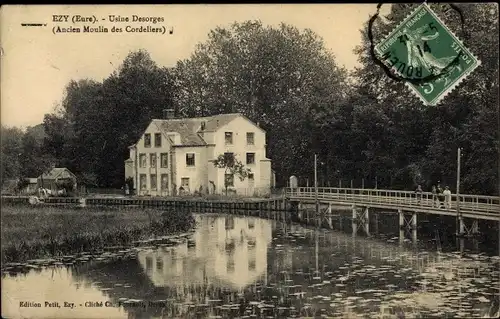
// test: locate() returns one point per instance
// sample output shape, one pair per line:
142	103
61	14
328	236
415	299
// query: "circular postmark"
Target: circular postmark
421	49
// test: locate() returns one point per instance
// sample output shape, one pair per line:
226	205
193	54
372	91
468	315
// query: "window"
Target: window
159	263
229	159
251	264
152	159
157	139
143	181
250	138
229	180
229	223
147	140
250	176
185	182
153	181
250	158
149	263
190	159
164	160
229	138
230	265
164	181
142	160
230	245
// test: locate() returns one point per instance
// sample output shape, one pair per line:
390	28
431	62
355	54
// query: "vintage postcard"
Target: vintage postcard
250	161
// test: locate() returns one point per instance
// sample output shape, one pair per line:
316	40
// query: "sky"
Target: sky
37	64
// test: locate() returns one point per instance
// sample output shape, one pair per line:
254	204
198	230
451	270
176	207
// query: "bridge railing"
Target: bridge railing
490	204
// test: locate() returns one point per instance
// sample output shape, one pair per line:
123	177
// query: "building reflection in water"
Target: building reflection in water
225	251
230	268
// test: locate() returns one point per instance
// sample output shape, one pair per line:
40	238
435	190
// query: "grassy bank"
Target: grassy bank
40	232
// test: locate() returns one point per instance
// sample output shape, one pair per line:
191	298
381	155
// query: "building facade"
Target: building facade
176	155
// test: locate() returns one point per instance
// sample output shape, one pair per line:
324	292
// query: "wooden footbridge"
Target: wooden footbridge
362	201
467	208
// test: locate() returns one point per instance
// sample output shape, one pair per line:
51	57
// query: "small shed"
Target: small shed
56	177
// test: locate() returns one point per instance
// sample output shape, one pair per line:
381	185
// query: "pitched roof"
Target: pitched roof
189	128
54	173
212	123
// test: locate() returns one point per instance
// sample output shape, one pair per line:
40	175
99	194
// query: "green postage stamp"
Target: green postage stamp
422	46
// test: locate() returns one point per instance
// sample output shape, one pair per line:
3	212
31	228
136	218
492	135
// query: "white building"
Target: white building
175	152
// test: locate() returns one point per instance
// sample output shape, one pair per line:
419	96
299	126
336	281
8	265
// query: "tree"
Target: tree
21	184
96	122
134	95
11	152
34	160
402	139
280	77
232	167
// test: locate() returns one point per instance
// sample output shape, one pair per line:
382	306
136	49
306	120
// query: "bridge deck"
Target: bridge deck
472	206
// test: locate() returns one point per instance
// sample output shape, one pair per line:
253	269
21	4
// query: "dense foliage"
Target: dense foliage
405	142
362	125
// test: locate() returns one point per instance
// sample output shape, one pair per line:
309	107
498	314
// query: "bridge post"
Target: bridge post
465	231
414	228
461	230
475	244
366	220
401	226
326	215
407	226
354	220
360	219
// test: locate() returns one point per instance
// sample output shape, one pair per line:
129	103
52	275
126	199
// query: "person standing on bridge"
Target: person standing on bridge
419	191
440	195
447	197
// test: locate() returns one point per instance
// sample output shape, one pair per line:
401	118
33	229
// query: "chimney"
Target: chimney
168	114
203	125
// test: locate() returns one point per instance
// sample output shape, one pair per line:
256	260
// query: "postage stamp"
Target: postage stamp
422	46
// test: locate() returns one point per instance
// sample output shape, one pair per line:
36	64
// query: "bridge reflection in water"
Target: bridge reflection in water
225	251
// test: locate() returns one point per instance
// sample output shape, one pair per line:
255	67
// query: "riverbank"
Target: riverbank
185	202
45	231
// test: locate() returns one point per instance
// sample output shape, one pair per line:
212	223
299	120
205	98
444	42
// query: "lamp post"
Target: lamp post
316	182
459	153
498	161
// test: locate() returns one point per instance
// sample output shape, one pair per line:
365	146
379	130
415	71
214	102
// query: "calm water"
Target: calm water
237	266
